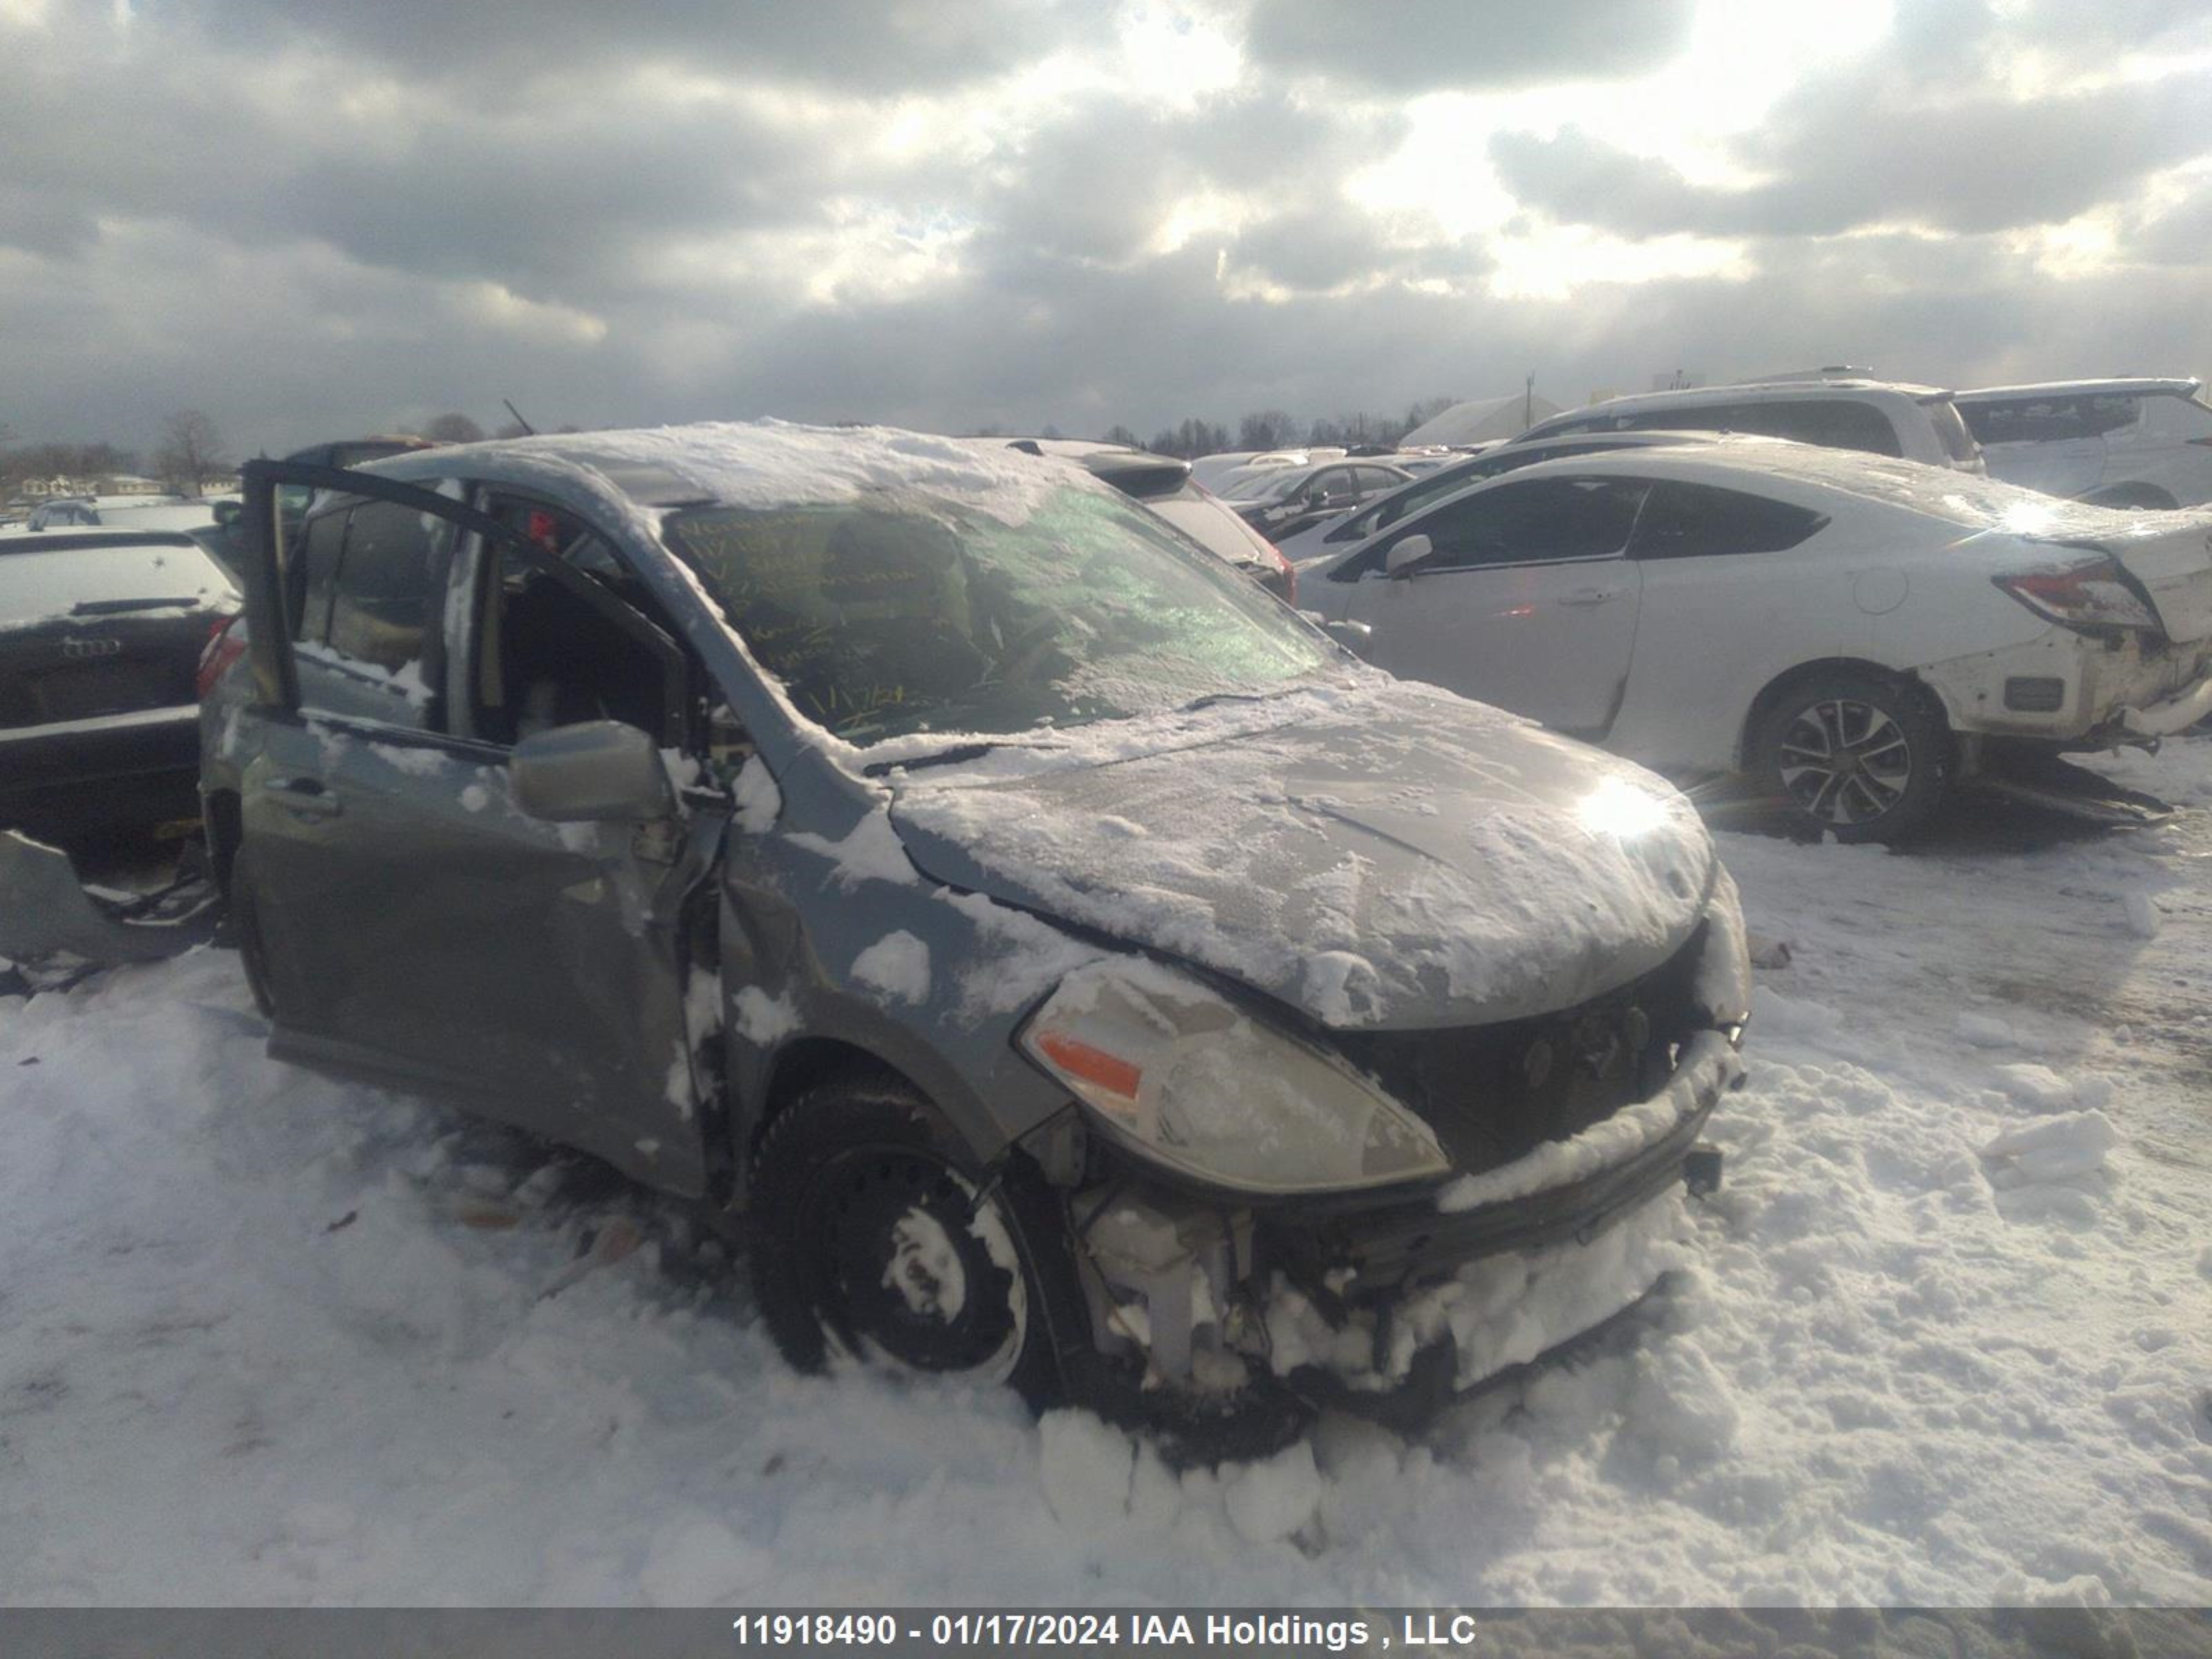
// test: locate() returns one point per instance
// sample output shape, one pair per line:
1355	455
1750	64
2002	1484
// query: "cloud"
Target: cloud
874	47
313	220
1429	46
1837	158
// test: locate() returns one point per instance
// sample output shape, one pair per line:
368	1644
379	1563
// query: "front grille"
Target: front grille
1494	1092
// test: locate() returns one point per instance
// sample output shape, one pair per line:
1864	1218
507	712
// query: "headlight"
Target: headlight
1184	1077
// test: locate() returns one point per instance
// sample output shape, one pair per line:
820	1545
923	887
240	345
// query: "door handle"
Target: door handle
306	798
1589	596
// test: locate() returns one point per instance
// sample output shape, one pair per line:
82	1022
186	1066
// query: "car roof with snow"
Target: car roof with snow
2144	385
1702	397
1641	437
1934	492
746	464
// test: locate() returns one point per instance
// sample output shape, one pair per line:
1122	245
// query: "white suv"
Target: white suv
1883	417
2141	443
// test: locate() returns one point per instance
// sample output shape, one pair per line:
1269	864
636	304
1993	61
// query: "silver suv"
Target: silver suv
1882	417
2140	443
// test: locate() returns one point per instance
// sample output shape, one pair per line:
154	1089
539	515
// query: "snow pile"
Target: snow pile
2057	1147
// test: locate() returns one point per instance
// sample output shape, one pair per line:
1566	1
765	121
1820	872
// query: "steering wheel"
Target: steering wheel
1024	654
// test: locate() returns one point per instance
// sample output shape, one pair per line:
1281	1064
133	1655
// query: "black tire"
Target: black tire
1895	752
244	920
873	1236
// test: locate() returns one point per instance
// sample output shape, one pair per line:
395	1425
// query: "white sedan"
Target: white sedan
1852	631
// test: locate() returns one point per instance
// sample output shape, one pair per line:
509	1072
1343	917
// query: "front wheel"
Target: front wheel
877	1239
1855	756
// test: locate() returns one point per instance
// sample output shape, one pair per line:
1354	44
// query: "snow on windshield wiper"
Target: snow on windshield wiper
1213	697
952	756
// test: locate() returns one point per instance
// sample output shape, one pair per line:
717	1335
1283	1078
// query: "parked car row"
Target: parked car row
1082	971
1285	502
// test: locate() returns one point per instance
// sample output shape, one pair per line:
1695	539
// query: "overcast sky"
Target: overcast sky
316	218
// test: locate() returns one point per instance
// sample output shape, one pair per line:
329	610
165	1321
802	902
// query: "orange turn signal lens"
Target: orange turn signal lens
1093	1065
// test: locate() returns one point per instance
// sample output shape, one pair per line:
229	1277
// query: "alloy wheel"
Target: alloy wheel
1844	762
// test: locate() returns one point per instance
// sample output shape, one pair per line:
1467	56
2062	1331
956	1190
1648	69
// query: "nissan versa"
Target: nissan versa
1077	970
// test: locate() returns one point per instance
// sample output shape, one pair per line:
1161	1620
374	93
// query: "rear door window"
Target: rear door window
1686	520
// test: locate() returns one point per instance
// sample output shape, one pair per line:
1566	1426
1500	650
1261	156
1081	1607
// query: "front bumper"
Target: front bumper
1387	1305
1397	1310
1385	1250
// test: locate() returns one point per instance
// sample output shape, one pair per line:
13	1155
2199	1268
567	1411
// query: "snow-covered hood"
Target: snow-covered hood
1403	859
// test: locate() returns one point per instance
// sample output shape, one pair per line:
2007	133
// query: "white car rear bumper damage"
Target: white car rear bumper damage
2163	719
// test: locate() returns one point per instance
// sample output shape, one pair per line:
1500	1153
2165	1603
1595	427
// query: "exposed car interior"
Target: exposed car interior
545	656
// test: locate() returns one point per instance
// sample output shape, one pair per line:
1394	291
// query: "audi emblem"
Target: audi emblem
81	649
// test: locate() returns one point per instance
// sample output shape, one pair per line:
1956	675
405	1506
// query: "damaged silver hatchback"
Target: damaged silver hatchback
1070	967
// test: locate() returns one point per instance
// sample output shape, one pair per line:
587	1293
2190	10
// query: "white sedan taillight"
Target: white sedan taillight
2095	594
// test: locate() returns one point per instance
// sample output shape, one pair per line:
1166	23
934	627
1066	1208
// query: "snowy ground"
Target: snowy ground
268	1338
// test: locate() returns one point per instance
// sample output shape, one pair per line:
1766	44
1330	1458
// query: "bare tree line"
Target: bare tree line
1276	428
191	452
191	456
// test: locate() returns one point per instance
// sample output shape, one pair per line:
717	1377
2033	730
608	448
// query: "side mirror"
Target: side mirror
228	513
1402	558
596	771
1356	637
